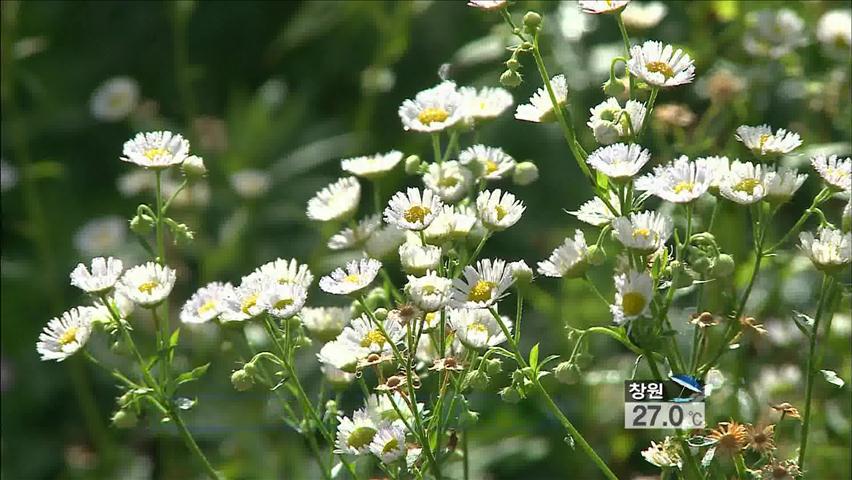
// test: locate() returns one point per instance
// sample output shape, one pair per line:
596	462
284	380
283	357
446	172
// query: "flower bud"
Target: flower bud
583	360
124	419
566	373
701	265
613	87
532	21
468	418
513	64
142	224
521	272
510	79
250	368
494	366
119	347
412	165
681	277
525	173
477	380
241	380
510	395
595	255
526	46
605	133
193	167
723	266
381	314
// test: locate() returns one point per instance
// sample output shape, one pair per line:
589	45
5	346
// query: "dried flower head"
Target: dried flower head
730	437
761	440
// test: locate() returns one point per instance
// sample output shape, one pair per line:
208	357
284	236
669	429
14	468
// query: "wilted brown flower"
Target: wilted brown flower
704	320
723	86
448	363
750	324
786	470
674	115
761	440
787	410
731	437
405	313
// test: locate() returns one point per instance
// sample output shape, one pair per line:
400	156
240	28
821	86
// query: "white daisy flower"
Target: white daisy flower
645	232
834	30
660	65
681	181
243	302
595	212
283	300
619	161
357	276
355	435
745	183
487	103
774	33
341	355
598	7
498	210
362	333
384	241
337	377
284	271
413	210
493	162
325	323
381	407
643	16
433	110
64	335
783	184
477	328
101	235
569	260
611	123
417	259
482	286
761	141
633	293
372	166
156	150
540	108
835	171
114	99
430	292
521	272
147	285
717	169
103	276
338	201
487	4
830	250
250	183
351	237
663	455
388	444
449	180
207	303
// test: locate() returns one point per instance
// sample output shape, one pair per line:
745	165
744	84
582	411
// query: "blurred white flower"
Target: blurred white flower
761	141
341	355
430	292
206	304
64	335
663	455
773	33
485	104
488	4
362	333
483	285
477	328
610	123
645	232
156	150
540	108
101	278
372	166
357	276
433	110
283	300
569	260
101	235
633	293
596	212
355	435
782	184
384	241
282	271
492	163
498	210
325	323
834	31
8	176
114	99
413	210
354	236
241	303
619	161
660	65
835	171
598	7
830	250
417	259
642	16
681	181
745	182
449	180
250	183
147	285
338	201
388	444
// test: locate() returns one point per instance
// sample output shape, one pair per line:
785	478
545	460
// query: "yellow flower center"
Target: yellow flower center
500	211
283	303
69	336
352	278
660	67
249	302
416	214
448	182
373	336
153	153
432	114
632	303
481	292
684	187
148	287
208	306
430	318
747	185
490	166
478	327
641	232
764	138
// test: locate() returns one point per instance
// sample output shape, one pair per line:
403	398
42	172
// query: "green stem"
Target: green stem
436	146
193	446
626	38
650	108
825	295
739	465
822	196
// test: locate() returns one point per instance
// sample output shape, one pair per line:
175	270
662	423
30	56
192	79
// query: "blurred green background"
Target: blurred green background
289	88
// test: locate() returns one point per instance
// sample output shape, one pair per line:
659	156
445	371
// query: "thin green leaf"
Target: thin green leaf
534	357
192	375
